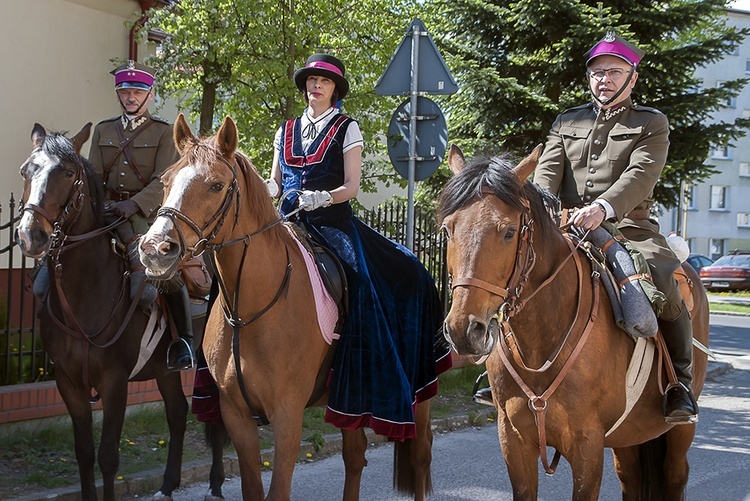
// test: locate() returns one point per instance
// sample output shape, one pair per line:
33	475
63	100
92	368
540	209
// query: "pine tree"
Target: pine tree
520	63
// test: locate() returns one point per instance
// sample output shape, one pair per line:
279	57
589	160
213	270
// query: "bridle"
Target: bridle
512	304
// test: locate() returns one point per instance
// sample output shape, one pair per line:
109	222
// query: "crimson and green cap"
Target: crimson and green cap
133	75
614	45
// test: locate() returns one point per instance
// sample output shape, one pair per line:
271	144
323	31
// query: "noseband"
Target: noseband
219	217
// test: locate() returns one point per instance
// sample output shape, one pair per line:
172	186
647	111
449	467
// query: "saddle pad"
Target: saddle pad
328	313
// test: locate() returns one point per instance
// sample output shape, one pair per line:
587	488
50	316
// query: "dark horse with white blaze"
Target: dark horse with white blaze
90	328
263	342
524	296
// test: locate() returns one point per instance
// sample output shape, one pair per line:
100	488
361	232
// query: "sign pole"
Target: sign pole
415	34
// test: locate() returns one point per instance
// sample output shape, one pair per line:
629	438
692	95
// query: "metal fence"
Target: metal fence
23	359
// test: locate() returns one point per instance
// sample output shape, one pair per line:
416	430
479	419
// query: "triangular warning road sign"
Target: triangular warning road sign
433	76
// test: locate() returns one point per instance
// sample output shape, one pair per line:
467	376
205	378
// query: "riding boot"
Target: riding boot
180	353
680	405
137	270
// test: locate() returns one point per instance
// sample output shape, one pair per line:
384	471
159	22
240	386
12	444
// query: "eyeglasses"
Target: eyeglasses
612	73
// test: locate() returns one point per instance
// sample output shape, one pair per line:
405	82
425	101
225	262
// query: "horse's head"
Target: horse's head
487	211
53	188
202	198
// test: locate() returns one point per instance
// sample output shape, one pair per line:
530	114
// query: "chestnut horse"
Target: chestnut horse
266	362
89	326
557	376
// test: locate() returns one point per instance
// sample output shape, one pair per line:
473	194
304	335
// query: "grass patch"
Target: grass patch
731	308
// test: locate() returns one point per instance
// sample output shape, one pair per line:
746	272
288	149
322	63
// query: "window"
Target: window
718	198
743	219
716	247
721	152
691	192
744	169
730	102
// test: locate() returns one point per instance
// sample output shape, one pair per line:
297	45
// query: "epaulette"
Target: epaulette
577	108
156	118
111	119
639	107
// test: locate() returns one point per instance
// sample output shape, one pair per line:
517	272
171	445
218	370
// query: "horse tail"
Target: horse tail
405	477
652	457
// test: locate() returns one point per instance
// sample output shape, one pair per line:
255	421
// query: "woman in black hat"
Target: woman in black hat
391	350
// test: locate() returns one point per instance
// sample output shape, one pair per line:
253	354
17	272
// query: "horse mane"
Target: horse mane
59	145
497	174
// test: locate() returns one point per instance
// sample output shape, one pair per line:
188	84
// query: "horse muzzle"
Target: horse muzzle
473	337
31	239
159	254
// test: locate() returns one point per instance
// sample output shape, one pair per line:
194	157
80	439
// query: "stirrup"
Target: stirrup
184	366
484	395
685	419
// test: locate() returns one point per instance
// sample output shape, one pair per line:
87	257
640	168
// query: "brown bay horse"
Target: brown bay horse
263	343
89	326
523	297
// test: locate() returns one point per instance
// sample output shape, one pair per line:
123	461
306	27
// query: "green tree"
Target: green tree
519	63
237	58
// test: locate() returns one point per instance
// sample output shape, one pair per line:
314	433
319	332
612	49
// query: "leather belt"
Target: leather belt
119	196
639	214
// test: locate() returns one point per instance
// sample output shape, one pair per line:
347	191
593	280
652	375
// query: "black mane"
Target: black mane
58	145
497	174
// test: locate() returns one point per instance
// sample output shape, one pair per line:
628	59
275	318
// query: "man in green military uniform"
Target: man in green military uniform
130	152
604	158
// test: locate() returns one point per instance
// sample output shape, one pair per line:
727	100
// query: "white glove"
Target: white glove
311	200
273	187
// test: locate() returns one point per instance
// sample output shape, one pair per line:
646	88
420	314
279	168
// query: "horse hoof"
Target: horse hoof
162	497
211	497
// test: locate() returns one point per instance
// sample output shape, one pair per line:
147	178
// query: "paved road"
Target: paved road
468	466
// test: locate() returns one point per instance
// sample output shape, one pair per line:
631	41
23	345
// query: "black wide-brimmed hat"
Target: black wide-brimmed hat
323	65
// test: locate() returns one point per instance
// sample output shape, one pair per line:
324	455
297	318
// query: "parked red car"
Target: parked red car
730	272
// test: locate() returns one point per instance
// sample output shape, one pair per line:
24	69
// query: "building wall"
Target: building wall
56	59
709	230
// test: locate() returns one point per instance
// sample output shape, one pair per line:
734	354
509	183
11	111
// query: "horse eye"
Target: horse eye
510	234
70	173
217	187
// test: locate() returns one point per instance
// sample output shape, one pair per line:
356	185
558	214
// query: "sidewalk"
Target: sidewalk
148	482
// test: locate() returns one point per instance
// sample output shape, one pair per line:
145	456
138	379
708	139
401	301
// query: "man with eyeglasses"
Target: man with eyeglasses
604	159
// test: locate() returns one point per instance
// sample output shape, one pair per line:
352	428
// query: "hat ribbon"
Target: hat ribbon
325	66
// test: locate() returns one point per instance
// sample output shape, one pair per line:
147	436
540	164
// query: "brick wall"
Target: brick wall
24	402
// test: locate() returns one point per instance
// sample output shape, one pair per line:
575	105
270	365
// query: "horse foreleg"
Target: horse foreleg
353	452
287	426
243	432
176	408
79	408
114	401
586	463
521	457
676	467
627	468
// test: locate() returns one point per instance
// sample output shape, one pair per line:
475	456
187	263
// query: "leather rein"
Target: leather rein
231	316
60	241
512	304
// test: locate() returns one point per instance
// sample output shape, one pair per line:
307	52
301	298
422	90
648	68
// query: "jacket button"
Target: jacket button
595	156
122	174
592	170
590	184
121	185
125	162
597	142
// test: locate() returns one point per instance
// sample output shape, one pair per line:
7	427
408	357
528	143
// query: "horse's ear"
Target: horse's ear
81	137
183	136
524	169
37	135
456	160
227	138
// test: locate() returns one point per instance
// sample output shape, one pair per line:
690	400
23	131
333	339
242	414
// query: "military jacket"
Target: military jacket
153	151
618	158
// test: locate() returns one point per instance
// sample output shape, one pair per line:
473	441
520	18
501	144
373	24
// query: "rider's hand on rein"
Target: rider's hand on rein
311	200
